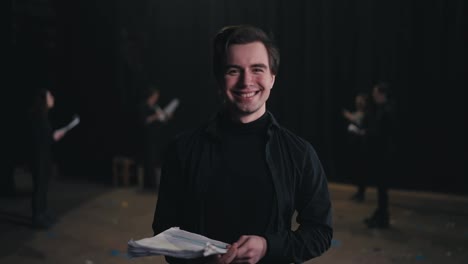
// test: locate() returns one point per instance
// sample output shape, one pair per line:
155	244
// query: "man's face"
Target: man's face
360	102
379	97
153	99
247	81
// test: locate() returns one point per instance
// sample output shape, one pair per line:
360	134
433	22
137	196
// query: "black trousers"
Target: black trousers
381	168
41	170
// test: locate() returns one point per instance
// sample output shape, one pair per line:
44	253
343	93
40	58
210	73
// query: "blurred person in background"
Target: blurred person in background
42	137
151	119
357	145
381	137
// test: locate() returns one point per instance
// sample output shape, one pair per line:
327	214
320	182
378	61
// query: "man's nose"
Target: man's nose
246	79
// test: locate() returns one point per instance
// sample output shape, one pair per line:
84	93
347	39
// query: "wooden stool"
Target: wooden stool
141	176
121	170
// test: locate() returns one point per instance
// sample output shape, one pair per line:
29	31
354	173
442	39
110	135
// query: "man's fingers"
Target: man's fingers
251	250
244	246
242	240
230	255
246	256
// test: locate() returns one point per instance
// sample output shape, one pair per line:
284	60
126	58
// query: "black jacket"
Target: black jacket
299	183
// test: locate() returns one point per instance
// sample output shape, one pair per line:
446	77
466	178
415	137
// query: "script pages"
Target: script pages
178	243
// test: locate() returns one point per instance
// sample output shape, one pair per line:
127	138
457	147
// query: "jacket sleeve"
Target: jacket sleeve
314	216
169	202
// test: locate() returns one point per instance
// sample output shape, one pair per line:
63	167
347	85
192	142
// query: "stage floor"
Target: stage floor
96	222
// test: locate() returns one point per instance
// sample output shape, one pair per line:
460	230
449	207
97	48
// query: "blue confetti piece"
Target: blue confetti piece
115	252
420	257
335	243
51	235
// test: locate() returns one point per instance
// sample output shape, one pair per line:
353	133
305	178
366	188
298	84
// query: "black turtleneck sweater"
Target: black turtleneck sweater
239	199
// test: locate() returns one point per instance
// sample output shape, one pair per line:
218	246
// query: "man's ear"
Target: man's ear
219	91
273	78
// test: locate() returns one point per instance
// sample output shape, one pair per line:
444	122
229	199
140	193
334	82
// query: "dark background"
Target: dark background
98	56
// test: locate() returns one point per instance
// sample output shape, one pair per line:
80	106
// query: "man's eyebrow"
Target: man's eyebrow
255	65
259	65
232	66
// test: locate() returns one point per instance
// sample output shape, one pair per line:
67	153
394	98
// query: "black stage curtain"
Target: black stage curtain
331	49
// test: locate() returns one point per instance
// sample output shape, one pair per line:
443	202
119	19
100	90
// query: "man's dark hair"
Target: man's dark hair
149	91
241	34
384	88
39	101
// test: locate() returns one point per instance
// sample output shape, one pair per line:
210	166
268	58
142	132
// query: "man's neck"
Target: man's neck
246	118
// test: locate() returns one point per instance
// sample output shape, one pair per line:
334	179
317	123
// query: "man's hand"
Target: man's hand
250	250
58	134
227	257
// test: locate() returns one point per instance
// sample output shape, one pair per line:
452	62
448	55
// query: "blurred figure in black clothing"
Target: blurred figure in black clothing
380	132
151	118
42	137
357	145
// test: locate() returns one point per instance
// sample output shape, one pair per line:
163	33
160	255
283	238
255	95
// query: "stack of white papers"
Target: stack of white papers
172	106
178	243
166	113
72	124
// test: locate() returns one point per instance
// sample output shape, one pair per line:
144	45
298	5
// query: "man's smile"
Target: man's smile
245	95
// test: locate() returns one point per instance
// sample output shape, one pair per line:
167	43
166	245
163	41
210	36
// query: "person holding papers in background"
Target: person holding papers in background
357	145
42	137
240	177
152	116
381	133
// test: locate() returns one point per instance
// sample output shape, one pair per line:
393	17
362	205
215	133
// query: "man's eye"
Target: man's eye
232	72
258	70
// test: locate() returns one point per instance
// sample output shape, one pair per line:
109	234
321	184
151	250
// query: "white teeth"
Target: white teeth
247	95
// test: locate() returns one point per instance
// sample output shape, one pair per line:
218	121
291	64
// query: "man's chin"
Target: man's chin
246	113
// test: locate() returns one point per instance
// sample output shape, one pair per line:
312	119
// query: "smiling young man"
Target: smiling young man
247	81
240	177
